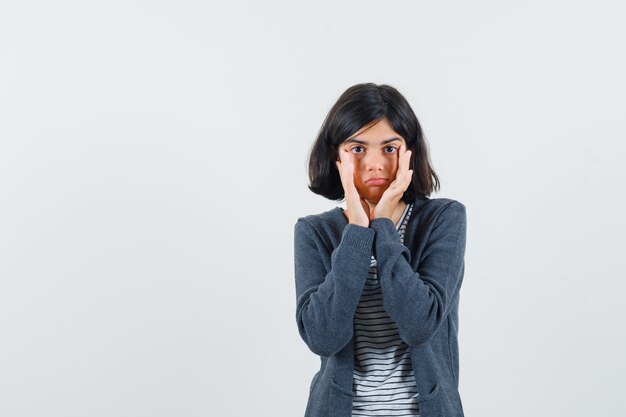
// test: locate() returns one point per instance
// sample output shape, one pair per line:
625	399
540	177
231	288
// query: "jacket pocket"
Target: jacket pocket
441	402
427	397
334	385
339	400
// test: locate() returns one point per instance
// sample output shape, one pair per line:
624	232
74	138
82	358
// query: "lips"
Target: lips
375	181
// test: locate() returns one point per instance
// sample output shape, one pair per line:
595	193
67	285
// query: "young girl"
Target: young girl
378	283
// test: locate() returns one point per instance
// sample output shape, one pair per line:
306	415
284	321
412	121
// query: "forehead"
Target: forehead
395	139
376	133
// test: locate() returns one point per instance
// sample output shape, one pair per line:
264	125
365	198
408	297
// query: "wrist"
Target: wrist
357	223
381	215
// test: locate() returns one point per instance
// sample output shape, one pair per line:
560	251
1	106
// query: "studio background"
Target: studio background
153	165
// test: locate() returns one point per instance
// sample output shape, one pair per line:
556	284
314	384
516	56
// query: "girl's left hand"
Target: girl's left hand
392	195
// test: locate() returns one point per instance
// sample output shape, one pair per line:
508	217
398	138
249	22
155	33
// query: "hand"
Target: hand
358	209
392	195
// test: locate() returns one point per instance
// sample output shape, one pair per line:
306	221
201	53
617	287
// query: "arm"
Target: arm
419	301
327	300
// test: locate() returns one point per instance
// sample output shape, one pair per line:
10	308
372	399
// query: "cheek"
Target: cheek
394	167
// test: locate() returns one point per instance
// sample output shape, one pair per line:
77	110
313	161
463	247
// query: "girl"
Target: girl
377	283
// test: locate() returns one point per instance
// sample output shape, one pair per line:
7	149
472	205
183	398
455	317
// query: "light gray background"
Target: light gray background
152	166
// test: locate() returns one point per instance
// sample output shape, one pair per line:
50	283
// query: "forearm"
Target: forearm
327	300
418	301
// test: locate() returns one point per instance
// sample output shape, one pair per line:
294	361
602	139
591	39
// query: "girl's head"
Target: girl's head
364	120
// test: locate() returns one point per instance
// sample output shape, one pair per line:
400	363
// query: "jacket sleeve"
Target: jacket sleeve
327	299
420	301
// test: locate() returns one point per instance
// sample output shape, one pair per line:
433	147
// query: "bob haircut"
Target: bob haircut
357	107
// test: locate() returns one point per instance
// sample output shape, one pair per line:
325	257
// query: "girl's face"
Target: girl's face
374	150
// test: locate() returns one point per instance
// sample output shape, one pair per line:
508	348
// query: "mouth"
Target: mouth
375	181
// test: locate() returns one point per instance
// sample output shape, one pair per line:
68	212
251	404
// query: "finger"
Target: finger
407	157
347	178
409	177
402	165
341	167
342	154
342	159
350	166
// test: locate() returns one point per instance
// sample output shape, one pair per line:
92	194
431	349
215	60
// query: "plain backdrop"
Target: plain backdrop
153	165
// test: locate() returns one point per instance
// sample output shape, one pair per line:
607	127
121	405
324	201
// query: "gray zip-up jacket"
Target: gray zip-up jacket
420	282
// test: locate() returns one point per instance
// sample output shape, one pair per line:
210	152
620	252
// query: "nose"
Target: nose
374	161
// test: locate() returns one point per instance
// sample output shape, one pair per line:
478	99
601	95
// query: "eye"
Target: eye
356	147
393	149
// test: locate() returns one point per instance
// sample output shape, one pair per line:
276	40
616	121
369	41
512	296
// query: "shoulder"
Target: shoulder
438	205
327	223
325	216
450	219
432	211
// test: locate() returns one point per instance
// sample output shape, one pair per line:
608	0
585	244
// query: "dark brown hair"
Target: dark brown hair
357	107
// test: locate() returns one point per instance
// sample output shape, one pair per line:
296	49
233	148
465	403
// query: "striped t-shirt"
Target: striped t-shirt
383	383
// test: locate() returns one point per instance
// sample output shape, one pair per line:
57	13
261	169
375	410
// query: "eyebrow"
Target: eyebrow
354	140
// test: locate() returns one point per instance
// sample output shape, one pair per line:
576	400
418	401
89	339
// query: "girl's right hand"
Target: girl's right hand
358	210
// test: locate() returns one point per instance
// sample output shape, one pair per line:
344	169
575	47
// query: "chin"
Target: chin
374	198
